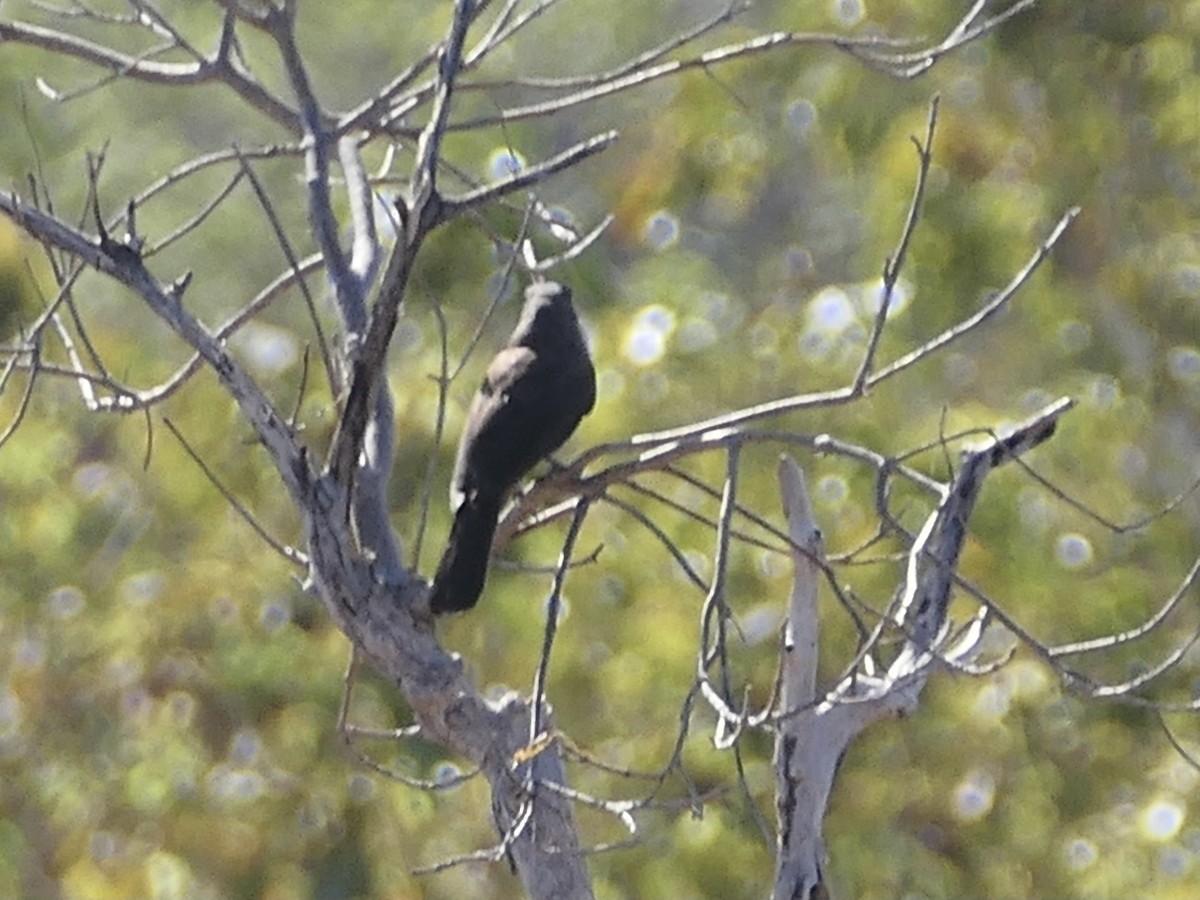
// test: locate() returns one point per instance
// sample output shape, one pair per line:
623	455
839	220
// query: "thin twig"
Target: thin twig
553	611
895	263
291	554
268	207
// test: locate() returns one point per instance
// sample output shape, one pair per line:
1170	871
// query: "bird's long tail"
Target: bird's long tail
463	569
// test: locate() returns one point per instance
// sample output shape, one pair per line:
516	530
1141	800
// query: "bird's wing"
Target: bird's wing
505	368
488	413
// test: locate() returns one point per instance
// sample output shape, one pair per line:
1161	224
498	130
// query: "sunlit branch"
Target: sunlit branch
553	611
221	67
1132	634
124	265
365	249
317	139
454	206
423	209
998	302
26	398
895	263
839	396
201	163
133	400
910	65
712	646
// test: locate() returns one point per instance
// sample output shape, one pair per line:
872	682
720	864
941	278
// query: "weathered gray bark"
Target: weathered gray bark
814	730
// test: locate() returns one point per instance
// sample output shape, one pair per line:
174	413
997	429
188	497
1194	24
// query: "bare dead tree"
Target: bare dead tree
346	548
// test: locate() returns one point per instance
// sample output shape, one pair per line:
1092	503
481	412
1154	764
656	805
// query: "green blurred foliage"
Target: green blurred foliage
169	694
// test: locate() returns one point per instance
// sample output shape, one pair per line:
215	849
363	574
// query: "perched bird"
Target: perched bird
533	395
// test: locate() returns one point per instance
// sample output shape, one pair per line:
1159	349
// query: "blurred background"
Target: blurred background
168	693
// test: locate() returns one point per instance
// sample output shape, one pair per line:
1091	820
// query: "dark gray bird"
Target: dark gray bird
533	395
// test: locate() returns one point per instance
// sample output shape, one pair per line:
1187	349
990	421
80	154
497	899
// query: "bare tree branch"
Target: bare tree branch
123	264
353	560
